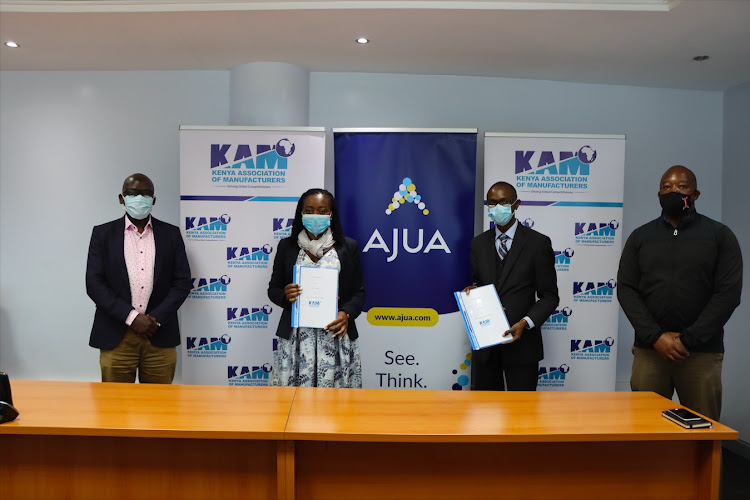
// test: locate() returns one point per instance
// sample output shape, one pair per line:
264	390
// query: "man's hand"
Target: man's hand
517	330
144	325
468	289
339	327
670	347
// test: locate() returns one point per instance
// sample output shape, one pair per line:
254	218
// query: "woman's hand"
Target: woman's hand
339	327
292	291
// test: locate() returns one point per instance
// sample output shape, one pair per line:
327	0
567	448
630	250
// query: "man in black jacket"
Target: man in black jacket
679	281
138	275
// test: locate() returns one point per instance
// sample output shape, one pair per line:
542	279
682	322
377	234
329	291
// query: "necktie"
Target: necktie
502	250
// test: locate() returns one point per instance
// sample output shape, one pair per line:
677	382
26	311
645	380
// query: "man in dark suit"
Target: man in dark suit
138	276
520	263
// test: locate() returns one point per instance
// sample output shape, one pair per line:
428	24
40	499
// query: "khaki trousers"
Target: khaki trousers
155	365
696	379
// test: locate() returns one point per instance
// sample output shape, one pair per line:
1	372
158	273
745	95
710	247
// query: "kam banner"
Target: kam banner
407	197
571	189
239	188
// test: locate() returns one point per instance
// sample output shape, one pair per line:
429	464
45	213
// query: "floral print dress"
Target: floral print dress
313	357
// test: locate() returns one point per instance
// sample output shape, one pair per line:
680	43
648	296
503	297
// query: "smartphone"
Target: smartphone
686	418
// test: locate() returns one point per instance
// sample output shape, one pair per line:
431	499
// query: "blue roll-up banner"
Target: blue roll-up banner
407	197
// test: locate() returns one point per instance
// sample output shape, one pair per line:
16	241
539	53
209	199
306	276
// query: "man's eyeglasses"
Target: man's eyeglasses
504	202
136	192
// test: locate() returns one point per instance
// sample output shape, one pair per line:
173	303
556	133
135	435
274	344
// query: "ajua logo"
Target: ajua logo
591	349
558	320
208	347
552	376
528	223
594	291
248	317
249	257
238	164
248	375
562	259
209	288
406	194
550	170
207	228
596	233
282	227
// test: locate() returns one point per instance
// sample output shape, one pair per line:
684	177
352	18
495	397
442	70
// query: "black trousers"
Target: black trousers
489	373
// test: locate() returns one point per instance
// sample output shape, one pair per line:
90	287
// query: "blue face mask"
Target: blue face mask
500	214
316	224
138	207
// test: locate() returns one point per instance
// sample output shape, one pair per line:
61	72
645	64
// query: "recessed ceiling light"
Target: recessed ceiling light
11	44
363	40
700	58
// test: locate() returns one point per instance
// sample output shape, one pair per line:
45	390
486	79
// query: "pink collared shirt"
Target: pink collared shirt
140	253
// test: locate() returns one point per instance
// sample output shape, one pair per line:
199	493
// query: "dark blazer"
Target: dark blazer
351	284
108	285
527	286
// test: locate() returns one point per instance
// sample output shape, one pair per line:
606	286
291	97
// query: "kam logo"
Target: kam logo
545	170
596	233
249	257
248	317
562	259
552	376
282	227
209	288
587	349
462	380
594	291
407	193
208	347
267	166
249	375
558	320
207	228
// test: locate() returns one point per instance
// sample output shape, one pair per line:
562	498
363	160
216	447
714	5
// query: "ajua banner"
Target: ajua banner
407	197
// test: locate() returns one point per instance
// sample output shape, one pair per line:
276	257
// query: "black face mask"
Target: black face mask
675	204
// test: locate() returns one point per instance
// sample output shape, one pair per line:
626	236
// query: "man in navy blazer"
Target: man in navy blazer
520	263
138	276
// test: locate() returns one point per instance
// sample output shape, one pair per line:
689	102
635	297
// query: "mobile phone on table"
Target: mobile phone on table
686	418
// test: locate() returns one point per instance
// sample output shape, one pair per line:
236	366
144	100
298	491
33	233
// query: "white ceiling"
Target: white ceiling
639	42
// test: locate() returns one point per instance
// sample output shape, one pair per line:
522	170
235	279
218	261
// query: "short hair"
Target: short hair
504	184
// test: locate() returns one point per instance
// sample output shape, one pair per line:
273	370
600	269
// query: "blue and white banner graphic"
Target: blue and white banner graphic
239	187
571	189
407	197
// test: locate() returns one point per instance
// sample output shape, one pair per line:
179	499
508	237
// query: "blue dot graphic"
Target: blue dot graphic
403	192
407	181
462	380
410	198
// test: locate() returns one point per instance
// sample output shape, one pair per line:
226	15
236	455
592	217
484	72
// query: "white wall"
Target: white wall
67	142
735	192
68	139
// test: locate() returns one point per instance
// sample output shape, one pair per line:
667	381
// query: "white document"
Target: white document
484	317
317	306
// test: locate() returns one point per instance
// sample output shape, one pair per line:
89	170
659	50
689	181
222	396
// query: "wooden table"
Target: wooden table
91	440
100	441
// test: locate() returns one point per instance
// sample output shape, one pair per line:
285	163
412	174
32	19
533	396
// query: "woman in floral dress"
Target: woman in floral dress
318	357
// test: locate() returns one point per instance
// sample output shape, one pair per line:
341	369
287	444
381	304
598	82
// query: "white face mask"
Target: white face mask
138	207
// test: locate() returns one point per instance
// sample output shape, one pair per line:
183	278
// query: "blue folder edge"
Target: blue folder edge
472	338
295	304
